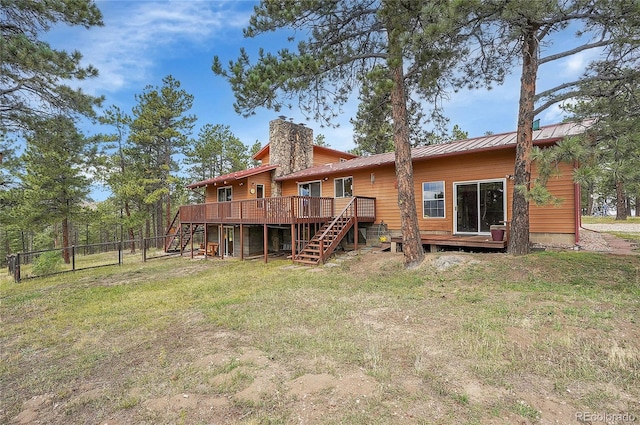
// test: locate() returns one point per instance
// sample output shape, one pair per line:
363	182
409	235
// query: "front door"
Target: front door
479	205
228	240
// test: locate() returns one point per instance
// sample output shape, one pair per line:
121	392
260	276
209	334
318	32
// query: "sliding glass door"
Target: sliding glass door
479	205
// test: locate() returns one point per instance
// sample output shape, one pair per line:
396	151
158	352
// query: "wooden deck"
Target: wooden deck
277	210
470	241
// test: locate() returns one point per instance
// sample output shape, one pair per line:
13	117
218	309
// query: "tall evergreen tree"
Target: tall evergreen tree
10	196
346	40
34	76
613	142
254	149
55	180
507	32
120	174
372	125
217	151
160	129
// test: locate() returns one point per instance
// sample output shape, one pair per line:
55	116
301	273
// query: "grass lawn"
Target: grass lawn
494	340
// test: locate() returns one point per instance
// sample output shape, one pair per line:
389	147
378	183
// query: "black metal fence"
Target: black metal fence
27	265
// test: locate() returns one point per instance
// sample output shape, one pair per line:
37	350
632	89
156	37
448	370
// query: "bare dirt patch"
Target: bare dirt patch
377	345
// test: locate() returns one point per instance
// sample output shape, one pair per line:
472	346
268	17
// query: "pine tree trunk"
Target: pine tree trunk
166	230
132	236
65	241
590	201
621	210
159	224
519	231
411	241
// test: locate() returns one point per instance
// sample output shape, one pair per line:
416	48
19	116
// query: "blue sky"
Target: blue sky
144	41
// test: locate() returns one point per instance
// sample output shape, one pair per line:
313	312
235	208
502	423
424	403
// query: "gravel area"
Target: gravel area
593	241
614	227
591	238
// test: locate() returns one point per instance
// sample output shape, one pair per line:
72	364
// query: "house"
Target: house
305	200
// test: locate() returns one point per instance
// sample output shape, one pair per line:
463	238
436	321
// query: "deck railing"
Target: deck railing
276	210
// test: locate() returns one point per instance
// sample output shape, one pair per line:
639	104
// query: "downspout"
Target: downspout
578	216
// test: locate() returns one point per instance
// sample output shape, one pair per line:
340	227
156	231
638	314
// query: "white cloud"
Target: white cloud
137	33
574	65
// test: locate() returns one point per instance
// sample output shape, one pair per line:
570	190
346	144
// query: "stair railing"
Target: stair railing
347	212
170	237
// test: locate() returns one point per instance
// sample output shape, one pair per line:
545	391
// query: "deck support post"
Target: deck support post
191	241
266	243
241	242
222	240
206	240
293	243
355	225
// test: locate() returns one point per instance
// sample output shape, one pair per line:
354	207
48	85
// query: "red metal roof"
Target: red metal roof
546	135
231	177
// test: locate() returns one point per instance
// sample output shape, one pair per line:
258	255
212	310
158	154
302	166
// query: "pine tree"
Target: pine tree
508	32
216	152
120	174
55	180
34	77
347	40
613	142
160	128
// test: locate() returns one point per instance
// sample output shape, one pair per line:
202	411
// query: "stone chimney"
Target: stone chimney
290	147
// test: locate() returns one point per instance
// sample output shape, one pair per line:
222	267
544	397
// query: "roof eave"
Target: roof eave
329	170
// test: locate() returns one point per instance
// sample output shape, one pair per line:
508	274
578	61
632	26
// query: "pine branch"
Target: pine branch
578	49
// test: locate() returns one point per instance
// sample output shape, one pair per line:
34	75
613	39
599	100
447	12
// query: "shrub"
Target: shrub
47	263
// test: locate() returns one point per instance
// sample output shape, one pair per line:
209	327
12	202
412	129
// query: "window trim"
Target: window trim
443	199
259	186
225	188
310	182
505	202
335	192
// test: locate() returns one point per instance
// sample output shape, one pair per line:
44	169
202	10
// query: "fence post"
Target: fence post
73	258
144	250
16	269
120	253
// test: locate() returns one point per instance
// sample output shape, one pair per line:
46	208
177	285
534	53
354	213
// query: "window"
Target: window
343	187
433	199
224	194
309	189
260	195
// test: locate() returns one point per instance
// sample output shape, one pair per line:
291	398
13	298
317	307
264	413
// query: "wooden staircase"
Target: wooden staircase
178	236
325	241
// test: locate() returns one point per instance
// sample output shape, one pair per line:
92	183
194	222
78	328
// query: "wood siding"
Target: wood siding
241	192
558	218
322	157
496	165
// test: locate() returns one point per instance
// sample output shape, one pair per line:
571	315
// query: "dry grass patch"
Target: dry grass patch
494	339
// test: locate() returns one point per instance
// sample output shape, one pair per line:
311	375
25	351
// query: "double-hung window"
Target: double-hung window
224	194
433	199
343	187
